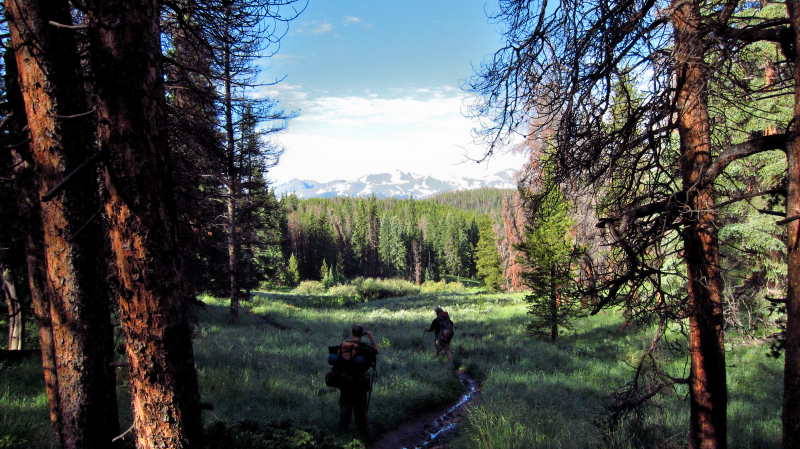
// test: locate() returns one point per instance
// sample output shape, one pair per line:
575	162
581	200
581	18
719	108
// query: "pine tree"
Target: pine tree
293	273
488	266
550	256
326	274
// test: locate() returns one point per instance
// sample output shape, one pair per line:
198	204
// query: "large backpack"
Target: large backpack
350	362
446	331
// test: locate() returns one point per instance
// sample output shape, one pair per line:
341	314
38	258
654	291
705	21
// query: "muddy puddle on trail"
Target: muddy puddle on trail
432	430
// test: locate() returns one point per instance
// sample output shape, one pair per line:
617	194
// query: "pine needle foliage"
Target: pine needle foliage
487	258
550	256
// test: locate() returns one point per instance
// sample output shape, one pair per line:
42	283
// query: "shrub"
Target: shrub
400	287
370	288
344	291
309	288
456	287
442	286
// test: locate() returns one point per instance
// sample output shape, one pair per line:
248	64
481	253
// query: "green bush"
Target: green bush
309	288
442	287
371	289
344	291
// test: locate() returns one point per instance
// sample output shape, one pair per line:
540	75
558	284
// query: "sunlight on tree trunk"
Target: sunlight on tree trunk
154	314
26	191
791	375
51	83
707	380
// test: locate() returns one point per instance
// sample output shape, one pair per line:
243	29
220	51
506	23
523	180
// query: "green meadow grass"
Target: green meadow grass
24	416
554	395
269	368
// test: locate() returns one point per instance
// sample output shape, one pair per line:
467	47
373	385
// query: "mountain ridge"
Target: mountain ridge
397	184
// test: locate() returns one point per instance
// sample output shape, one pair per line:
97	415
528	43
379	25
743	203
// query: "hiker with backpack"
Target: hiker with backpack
442	327
351	360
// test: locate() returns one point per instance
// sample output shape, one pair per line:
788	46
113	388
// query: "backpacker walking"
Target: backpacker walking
442	327
353	359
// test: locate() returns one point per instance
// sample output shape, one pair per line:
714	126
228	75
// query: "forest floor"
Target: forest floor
434	429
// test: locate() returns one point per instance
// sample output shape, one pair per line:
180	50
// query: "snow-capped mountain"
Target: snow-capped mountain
396	184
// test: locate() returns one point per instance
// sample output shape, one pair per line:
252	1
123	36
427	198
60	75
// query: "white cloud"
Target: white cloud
347	137
284	91
349	20
322	28
314	27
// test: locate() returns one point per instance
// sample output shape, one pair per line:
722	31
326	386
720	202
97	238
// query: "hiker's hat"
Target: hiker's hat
438	310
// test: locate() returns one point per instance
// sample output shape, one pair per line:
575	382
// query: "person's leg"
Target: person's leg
345	409
437	346
360	412
447	351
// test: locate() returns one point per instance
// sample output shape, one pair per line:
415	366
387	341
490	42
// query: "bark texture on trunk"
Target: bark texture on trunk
155	318
707	376
27	197
791	370
51	85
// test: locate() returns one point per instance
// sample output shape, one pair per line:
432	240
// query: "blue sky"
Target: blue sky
377	85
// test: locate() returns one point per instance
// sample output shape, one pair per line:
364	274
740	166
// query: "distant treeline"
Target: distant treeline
410	239
486	200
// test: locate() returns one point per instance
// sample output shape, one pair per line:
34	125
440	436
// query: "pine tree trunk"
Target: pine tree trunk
51	83
232	176
419	269
232	258
249	258
16	323
707	377
26	192
588	282
125	48
791	373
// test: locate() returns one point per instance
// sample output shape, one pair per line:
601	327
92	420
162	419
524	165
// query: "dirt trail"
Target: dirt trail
434	429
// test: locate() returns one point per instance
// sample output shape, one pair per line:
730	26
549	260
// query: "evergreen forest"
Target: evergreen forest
407	239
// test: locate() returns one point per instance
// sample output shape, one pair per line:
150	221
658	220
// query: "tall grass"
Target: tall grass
556	394
269	368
